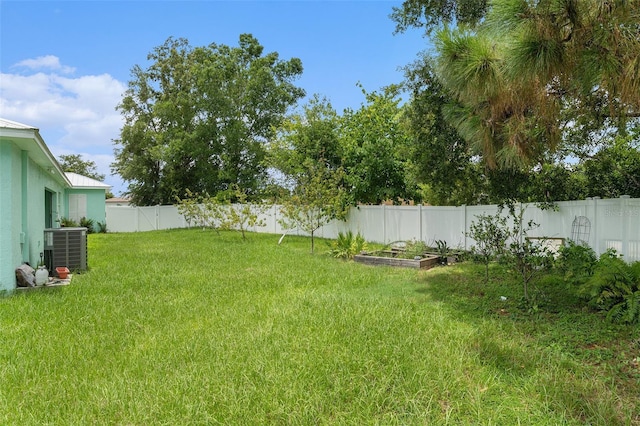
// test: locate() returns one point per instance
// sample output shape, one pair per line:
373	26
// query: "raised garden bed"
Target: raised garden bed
390	259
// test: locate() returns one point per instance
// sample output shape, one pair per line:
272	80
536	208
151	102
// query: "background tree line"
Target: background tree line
520	100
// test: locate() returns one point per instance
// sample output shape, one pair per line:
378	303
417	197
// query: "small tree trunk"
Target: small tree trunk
312	242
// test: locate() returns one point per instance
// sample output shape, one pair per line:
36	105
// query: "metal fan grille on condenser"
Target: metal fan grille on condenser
580	230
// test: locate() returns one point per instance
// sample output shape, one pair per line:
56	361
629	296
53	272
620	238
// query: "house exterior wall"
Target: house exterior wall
95	205
22	203
10	217
40	180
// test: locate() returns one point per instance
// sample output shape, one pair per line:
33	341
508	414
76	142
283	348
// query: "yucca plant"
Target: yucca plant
347	245
87	223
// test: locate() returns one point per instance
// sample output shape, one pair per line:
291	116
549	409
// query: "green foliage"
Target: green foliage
615	169
75	164
527	258
413	249
347	245
576	262
68	223
199	118
240	215
443	250
614	288
102	227
432	14
202	210
490	233
439	159
375	145
511	77
313	135
194	210
87	223
229	210
318	198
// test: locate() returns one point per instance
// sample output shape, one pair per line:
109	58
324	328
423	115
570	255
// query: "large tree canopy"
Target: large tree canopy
511	77
313	134
432	14
376	149
198	118
75	164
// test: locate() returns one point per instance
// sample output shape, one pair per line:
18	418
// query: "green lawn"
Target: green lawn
191	327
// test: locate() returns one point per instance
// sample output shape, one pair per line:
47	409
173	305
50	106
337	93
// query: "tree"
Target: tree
615	169
376	149
511	77
199	118
432	14
75	164
440	160
240	214
317	199
490	233
313	134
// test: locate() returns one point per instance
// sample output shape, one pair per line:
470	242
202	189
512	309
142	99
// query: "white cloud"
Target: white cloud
75	115
48	62
82	109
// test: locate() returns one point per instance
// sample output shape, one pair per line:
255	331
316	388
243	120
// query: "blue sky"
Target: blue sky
65	64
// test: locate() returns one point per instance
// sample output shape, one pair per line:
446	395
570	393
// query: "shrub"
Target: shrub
68	223
414	249
198	210
528	258
615	288
490	234
347	245
87	223
241	215
576	262
102	227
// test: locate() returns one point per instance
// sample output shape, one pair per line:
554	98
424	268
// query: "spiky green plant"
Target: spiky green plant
347	245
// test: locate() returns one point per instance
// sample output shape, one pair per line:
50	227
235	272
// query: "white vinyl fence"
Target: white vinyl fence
601	223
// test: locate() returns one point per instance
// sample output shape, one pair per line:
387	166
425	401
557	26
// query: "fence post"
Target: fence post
624	205
384	224
420	220
464	224
596	233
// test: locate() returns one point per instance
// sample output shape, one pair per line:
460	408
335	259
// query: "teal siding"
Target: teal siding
39	181
22	203
95	207
11	212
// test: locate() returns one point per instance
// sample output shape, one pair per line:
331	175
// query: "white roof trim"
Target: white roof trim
13	129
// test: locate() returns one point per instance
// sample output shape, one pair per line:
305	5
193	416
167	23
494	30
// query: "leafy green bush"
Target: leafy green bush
576	262
413	249
490	234
102	227
347	245
615	288
68	223
87	223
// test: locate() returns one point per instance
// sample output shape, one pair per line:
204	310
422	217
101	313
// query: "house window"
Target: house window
77	206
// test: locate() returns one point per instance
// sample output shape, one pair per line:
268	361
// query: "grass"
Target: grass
190	327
